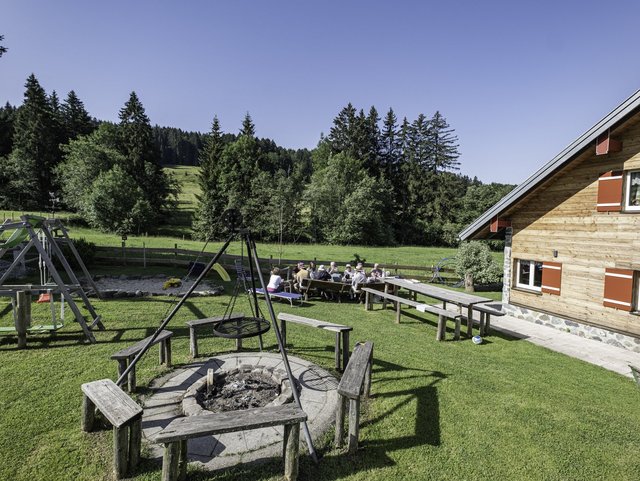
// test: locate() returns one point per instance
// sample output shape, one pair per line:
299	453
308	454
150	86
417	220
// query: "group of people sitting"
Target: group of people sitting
352	276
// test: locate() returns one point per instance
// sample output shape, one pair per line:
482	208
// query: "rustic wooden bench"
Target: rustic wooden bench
195	324
175	435
442	314
125	356
355	383
311	286
124	415
485	317
342	334
283	295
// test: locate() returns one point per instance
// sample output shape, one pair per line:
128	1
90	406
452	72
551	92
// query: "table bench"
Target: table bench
355	383
342	334
486	312
125	356
124	415
442	314
175	435
287	296
309	286
195	324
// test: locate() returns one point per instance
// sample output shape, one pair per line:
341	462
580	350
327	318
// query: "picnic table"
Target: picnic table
461	299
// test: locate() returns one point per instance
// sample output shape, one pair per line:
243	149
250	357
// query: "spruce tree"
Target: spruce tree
3	49
444	145
7	119
342	134
75	118
35	149
389	146
212	200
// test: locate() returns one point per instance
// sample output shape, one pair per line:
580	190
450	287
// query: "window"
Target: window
529	274
618	289
632	195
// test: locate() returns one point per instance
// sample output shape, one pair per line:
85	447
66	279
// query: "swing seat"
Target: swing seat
46	297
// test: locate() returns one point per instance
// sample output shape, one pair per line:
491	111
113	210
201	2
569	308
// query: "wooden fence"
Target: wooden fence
153	256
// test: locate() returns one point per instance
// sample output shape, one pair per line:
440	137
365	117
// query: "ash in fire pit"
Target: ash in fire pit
240	388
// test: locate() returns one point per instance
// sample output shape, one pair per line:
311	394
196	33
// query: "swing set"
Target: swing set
46	236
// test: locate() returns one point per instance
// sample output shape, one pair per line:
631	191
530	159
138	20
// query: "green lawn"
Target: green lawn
503	410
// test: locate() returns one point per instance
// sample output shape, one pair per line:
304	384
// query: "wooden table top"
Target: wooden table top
460	298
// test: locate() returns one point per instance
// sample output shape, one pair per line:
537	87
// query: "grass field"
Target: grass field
504	410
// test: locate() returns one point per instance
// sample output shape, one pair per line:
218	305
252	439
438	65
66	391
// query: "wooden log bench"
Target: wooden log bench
124	415
316	286
196	324
442	314
341	332
125	356
355	383
180	430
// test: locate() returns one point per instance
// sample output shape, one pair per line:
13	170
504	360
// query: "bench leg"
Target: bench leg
182	469
442	328
193	342
337	351
162	353
120	451
135	442
367	376
167	351
291	443
487	323
367	306
88	414
171	461
345	349
398	312
354	425
456	334
340	414
283	333
470	321
132	377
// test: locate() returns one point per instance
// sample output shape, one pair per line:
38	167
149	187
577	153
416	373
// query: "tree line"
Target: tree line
369	181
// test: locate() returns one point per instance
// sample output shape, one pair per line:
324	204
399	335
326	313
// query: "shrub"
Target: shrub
475	257
172	282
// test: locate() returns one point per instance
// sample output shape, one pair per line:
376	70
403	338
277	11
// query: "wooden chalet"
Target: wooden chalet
572	232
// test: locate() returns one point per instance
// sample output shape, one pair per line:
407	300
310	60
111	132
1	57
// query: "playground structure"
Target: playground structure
46	236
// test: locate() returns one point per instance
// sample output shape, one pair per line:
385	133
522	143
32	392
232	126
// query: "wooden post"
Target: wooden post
367	307
120	451
182	467
124	254
88	414
175	254
171	461
23	306
291	443
442	328
135	442
345	349
367	375
398	312
468	282
354	425
167	351
144	255
193	342
340	414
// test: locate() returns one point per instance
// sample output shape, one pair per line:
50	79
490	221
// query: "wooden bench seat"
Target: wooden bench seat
355	383
287	296
443	314
196	324
315	286
125	356
175	435
486	311
341	332
124	415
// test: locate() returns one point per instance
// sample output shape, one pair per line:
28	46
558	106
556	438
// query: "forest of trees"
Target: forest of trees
369	181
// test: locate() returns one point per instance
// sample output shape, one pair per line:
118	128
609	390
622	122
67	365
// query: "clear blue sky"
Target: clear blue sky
517	81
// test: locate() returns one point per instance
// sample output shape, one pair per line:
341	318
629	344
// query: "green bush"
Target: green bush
475	257
172	282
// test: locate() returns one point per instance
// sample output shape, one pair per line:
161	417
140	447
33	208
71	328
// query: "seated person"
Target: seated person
302	274
313	270
358	278
348	273
298	268
323	274
334	272
275	281
376	273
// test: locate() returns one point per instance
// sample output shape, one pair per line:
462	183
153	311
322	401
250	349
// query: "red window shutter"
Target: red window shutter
618	289
551	277
610	192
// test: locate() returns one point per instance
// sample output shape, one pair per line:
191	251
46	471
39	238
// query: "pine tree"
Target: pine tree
75	118
3	49
7	119
212	200
342	134
35	149
390	146
143	159
444	145
248	128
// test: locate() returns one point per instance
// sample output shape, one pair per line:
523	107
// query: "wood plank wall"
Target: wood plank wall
562	216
